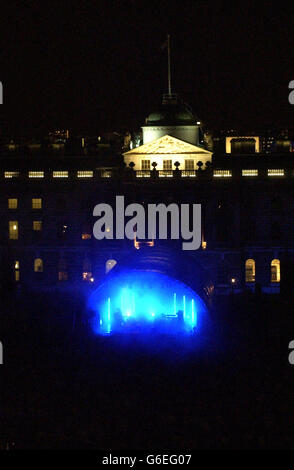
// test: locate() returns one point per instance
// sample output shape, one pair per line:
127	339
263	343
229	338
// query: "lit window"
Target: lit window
250	271
36	203
276	172
12	203
167	165
86	236
222	173
38	265
204	245
13	230
165	173
189	164
143	174
275	271
189	174
85	174
249	172
37	225
60	174
145	165
11	174
16	271
36	174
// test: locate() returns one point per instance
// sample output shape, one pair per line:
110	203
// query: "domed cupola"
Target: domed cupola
173	118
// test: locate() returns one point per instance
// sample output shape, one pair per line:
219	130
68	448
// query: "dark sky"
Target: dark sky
98	66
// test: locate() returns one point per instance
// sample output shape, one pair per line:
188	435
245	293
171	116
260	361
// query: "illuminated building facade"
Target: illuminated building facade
247	199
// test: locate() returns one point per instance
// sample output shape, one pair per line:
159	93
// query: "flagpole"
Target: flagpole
168	57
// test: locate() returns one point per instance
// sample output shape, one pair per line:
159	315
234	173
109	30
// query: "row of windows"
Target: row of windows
55	174
62	270
87	270
249	172
167	164
36	203
250	271
145	166
37	226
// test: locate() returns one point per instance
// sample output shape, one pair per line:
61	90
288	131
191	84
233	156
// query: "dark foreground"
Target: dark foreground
229	388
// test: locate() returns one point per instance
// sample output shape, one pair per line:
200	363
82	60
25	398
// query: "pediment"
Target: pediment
166	145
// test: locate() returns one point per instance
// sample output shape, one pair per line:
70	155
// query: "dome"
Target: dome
172	113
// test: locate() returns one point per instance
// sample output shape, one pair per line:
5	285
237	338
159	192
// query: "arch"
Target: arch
250	271
38	265
275	271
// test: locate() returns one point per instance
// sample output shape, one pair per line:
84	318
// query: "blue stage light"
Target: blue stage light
134	300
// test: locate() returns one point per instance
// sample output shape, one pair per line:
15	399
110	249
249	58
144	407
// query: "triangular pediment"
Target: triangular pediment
166	145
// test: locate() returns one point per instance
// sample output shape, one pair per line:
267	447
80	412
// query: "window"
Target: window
36	203
167	165
86	236
60	174
243	146
142	174
222	173
11	174
250	271
189	164
249	172
13	230
38	265
16	271
62	270
276	172
36	174
85	174
37	225
275	271
145	165
12	203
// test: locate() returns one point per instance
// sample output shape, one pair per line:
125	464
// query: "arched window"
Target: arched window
276	271
62	270
250	271
38	265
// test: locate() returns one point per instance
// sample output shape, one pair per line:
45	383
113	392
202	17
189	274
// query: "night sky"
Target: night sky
98	66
